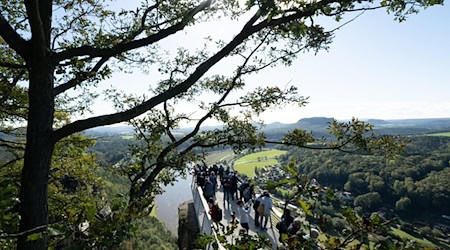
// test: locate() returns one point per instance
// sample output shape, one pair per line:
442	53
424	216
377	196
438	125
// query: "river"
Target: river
168	202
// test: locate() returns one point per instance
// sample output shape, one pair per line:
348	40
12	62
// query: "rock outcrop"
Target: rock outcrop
188	228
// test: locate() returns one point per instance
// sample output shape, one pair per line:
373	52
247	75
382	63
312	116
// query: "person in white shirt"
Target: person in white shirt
256	204
264	209
244	215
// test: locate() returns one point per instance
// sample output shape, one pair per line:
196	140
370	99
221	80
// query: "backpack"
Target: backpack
261	208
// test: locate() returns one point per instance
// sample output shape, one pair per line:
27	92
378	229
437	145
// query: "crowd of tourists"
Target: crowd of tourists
242	193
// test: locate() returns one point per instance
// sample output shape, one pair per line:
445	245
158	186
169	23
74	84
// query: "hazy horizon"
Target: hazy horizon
375	68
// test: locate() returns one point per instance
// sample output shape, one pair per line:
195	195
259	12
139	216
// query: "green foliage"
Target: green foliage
419	173
149	233
370	201
403	203
77	44
243	242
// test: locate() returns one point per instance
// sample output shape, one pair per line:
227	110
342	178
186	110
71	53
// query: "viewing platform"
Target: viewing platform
206	224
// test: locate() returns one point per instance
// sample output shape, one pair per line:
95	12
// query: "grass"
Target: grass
223	155
447	134
405	235
127	137
247	164
270	154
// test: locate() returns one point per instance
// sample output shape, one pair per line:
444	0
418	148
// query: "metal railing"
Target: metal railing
204	219
201	210
202	214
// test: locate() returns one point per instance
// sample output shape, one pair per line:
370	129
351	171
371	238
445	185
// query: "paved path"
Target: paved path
228	208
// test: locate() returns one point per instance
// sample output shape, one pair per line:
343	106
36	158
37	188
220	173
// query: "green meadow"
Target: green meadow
247	164
218	156
447	134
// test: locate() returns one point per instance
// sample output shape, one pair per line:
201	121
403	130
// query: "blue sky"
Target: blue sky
375	68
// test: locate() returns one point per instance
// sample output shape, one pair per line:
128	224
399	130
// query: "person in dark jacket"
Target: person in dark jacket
286	221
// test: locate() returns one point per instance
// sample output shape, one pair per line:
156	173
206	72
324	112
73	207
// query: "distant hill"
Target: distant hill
318	125
110	130
411	126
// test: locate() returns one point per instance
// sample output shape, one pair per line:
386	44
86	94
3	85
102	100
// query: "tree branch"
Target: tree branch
27	232
160	160
248	30
36	24
12	65
168	123
11	161
79	79
127	46
13	39
81	125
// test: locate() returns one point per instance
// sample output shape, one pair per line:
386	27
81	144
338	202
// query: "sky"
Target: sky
375	68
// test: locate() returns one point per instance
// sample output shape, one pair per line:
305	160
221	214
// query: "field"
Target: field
447	134
247	164
405	235
223	155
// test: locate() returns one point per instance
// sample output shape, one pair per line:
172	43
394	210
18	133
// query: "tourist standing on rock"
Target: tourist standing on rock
264	209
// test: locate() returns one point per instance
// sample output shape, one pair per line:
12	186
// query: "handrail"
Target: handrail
202	213
204	218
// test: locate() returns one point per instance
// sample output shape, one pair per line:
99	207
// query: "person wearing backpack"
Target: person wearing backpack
215	211
264	209
255	207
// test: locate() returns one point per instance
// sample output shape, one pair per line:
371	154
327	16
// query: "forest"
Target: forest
413	184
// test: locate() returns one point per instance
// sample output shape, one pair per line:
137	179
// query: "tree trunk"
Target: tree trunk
38	153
